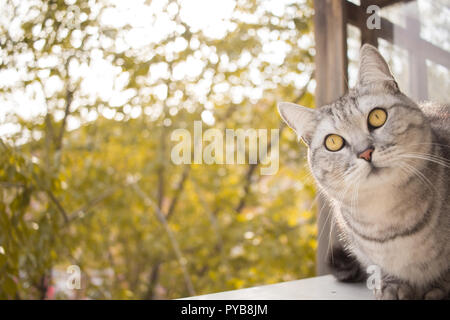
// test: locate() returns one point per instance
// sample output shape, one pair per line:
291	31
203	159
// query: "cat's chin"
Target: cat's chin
378	176
374	171
375	175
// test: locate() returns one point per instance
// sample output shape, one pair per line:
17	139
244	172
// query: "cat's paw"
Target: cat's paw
436	294
395	291
345	267
440	290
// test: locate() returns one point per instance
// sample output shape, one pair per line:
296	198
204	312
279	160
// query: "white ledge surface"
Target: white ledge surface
319	288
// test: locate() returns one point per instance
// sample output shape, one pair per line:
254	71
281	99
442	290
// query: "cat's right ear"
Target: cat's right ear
301	119
372	66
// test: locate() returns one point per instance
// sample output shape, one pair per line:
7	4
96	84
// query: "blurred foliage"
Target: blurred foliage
86	179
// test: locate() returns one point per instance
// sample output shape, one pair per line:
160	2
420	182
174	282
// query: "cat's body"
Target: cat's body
388	183
404	227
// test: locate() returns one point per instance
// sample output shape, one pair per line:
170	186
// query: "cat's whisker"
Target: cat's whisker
309	178
426	182
332	205
429	155
429	183
340	196
320	192
430	143
419	175
325	203
355	193
330	234
426	158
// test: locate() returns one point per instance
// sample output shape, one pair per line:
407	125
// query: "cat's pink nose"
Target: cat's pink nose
366	154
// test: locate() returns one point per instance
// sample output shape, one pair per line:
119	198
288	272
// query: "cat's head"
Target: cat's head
364	138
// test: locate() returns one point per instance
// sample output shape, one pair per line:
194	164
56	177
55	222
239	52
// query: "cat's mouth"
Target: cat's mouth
373	170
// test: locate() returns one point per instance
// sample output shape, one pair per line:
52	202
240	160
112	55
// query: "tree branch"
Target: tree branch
58	205
153	278
69	98
248	180
92	203
176	248
7	184
178	190
252	167
49	136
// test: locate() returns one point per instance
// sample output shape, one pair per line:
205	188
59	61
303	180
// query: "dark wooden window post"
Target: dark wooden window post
330	33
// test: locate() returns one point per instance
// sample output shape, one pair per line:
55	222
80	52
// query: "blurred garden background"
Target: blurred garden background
90	92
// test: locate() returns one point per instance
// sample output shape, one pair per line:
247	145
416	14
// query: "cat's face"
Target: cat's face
363	138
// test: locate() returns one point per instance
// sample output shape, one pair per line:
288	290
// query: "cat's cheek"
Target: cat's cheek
400	129
320	170
414	123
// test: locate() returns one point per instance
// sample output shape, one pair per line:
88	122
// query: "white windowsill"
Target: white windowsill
318	288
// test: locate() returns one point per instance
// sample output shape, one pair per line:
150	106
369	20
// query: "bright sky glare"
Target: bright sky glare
101	79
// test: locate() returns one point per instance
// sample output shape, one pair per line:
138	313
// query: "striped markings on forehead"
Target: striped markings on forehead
345	110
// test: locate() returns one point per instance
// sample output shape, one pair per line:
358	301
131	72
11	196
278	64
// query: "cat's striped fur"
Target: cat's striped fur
394	211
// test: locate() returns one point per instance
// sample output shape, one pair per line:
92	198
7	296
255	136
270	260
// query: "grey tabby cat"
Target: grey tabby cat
383	163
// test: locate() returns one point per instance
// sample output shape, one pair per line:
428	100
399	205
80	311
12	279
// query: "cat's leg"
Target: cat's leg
440	290
344	266
395	289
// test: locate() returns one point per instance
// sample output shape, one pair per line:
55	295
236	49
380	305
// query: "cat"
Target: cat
382	161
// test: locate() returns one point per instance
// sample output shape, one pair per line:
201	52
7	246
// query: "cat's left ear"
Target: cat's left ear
301	119
373	67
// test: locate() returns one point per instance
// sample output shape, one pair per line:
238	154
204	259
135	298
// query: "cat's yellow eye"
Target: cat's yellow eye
333	142
377	117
